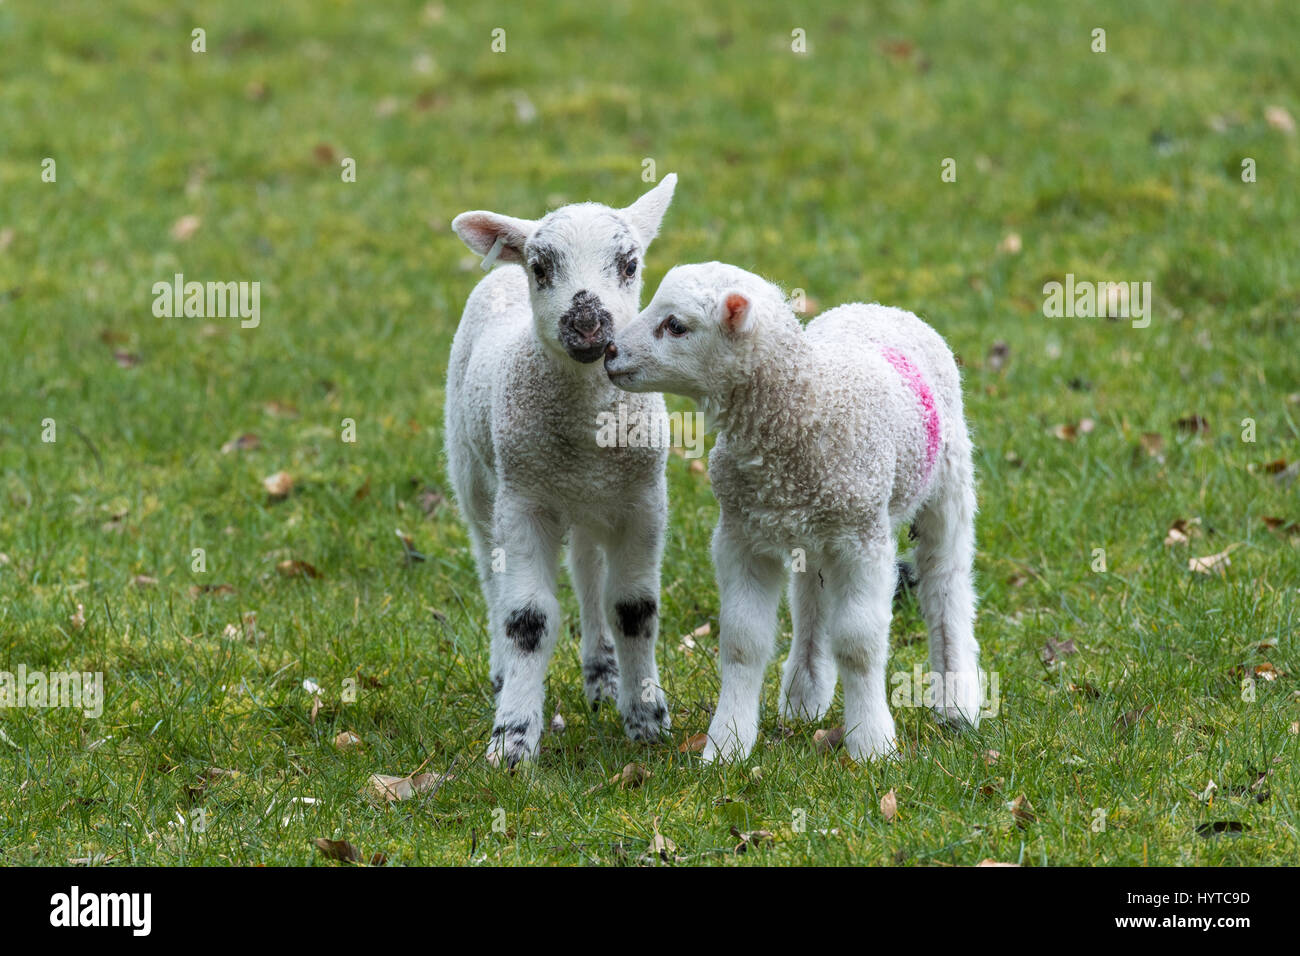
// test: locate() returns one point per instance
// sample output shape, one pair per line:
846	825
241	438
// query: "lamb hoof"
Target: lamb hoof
958	718
865	749
513	742
725	745
646	721
600	678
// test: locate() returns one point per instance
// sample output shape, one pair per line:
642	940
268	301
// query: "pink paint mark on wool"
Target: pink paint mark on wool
916	381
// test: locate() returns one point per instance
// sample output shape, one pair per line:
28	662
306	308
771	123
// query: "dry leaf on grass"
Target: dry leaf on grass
1022	812
661	848
278	485
245	442
756	838
385	788
1130	718
340	850
297	569
994	863
828	738
185	227
347	740
144	581
1281	526
1182	531
693	744
1053	650
1278	118
687	642
1211	563
631	776
889	806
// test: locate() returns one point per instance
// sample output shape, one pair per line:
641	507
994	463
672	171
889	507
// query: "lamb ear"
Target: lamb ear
647	212
480	230
734	313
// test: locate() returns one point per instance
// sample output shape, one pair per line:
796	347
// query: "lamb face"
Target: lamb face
695	336
583	264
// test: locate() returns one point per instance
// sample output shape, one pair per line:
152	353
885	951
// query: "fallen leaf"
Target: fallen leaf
991	757
280	410
1266	671
889	806
557	723
757	837
340	850
1281	526
197	590
661	847
1211	563
144	581
1278	118
185	227
323	152
1022	812
78	620
294	569
1130	717
999	354
346	740
1182	531
631	776
245	442
828	738
278	485
994	863
1053	650
125	359
388	789
693	744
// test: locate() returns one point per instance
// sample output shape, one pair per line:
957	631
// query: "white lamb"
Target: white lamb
524	389
829	438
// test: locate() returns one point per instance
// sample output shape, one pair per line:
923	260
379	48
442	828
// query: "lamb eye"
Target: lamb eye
539	272
629	269
675	326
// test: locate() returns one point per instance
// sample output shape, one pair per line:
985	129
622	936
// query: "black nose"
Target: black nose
586	327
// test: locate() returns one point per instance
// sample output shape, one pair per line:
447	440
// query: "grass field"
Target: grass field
821	170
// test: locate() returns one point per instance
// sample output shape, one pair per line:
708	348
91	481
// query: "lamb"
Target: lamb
524	392
829	439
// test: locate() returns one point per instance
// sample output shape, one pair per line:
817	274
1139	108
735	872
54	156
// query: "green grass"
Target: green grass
821	171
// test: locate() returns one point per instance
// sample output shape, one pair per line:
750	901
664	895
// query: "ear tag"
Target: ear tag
491	257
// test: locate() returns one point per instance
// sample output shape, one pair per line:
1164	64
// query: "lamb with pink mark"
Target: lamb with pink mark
829	439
